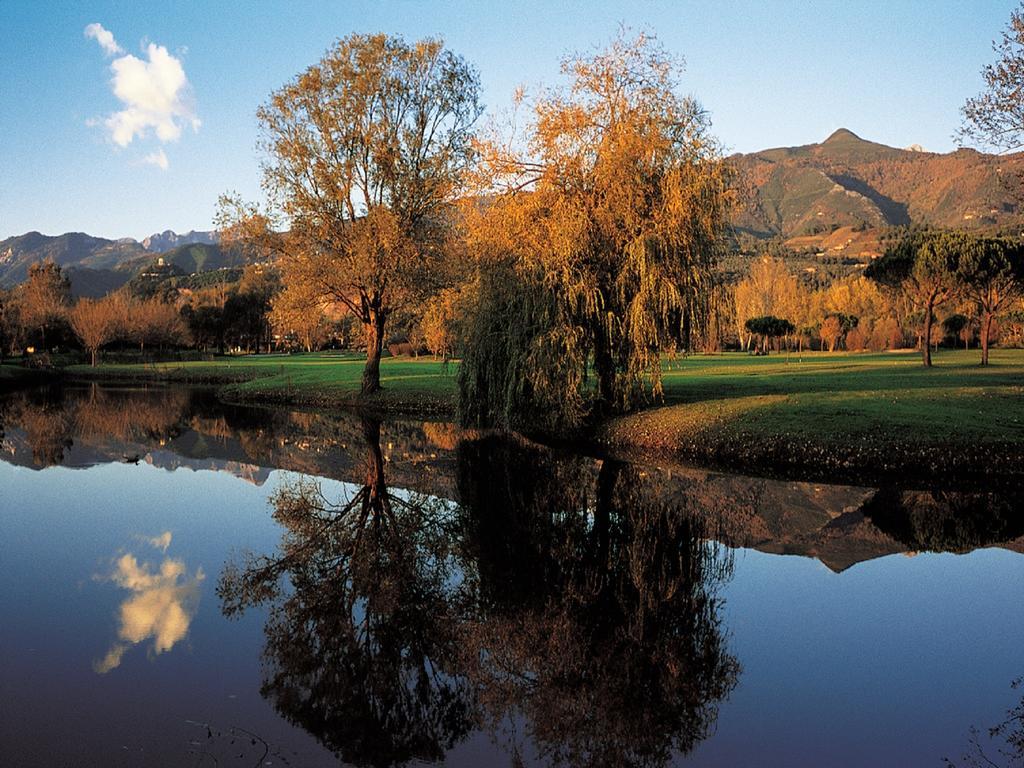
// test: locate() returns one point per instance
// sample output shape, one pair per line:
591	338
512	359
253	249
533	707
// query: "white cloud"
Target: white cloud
155	93
159	159
105	38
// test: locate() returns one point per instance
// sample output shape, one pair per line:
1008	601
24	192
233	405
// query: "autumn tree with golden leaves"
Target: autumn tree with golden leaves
95	323
296	314
597	243
769	290
364	154
43	302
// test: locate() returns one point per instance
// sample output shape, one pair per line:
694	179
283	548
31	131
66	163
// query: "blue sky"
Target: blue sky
770	73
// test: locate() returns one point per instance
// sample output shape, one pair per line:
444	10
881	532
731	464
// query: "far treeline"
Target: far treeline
559	253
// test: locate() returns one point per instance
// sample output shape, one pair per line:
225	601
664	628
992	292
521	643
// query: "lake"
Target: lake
184	582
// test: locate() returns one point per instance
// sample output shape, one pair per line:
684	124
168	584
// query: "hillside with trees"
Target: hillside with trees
846	181
99	265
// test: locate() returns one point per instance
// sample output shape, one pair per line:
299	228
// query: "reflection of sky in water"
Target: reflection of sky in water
59	529
162	601
887	663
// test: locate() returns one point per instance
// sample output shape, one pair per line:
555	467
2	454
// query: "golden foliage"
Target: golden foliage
95	323
364	153
609	214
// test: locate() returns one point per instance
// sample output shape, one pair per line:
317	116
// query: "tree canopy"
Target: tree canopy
991	274
924	265
364	152
604	221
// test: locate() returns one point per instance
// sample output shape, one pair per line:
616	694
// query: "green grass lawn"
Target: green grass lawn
316	379
840	396
713	405
856	412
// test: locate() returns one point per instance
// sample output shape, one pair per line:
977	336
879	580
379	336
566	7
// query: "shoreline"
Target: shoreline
244	389
654	434
991	466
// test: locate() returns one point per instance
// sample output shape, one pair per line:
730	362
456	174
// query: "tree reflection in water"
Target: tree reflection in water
1004	745
947	521
359	645
596	621
572	614
53	418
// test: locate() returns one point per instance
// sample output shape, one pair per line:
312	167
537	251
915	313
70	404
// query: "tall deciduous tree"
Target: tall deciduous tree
610	216
95	323
992	274
365	151
43	301
296	313
769	290
924	265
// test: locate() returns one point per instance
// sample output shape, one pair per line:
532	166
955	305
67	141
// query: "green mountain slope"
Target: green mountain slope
846	181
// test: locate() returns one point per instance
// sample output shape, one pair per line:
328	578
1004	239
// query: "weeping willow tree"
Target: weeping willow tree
597	244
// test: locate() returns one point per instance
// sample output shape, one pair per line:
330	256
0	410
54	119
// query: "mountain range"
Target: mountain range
97	265
848	183
168	239
833	199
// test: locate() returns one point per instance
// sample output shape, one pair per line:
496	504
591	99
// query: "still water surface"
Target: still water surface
188	583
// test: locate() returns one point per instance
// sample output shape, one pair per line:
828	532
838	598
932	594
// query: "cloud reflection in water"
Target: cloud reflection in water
161	604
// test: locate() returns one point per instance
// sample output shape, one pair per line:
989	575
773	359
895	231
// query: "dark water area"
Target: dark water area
184	582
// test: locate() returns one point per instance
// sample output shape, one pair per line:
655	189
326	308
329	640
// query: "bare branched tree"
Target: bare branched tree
995	117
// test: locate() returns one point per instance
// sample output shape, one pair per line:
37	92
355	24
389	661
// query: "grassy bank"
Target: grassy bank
424	385
838	415
834	415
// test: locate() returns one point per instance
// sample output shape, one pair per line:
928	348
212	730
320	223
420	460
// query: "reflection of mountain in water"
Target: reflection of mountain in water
178	427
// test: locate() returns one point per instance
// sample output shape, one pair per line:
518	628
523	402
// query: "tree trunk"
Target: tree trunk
926	343
374	332
604	506
986	329
375	463
604	367
93	358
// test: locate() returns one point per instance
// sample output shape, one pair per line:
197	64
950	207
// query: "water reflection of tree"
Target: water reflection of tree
101	413
48	426
1004	745
53	418
581	608
359	645
947	521
597	622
